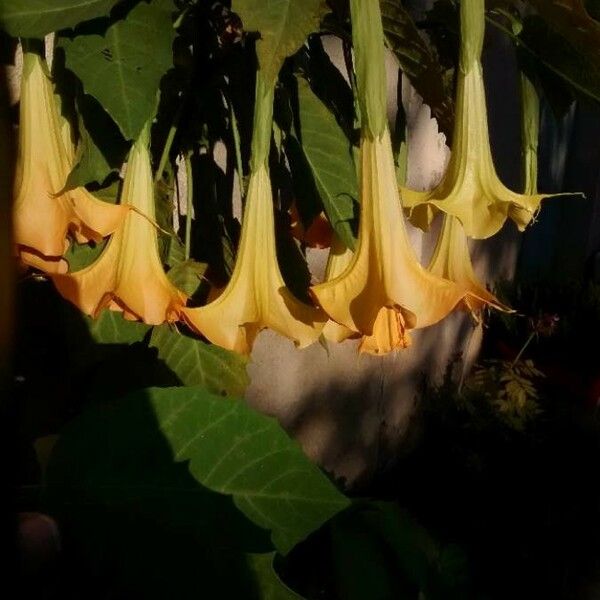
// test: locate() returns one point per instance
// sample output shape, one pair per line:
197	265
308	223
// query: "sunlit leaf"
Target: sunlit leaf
329	154
36	18
122	67
198	363
283	25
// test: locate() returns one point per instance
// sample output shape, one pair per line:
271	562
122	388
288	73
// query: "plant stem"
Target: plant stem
168	143
189	205
530	131
238	148
518	357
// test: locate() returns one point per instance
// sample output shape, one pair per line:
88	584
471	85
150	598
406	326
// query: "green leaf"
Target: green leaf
267	580
558	56
561	44
283	25
198	363
36	18
79	256
187	275
101	149
572	21
329	154
122	68
419	61
111	455
111	328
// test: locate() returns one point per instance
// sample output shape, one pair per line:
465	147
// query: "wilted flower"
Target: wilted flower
471	189
43	214
256	296
128	276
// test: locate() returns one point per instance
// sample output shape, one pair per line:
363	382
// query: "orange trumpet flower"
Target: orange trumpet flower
43	214
128	276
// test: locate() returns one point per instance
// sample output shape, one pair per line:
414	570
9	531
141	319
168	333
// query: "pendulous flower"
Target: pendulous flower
384	291
451	260
128	276
470	189
256	296
43	214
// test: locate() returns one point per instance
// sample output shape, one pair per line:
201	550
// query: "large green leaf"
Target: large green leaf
329	154
119	454
36	18
419	61
197	363
236	451
122	67
283	25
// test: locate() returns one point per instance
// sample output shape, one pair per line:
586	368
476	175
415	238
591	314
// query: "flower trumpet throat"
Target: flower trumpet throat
43	214
128	276
471	189
256	296
338	261
389	327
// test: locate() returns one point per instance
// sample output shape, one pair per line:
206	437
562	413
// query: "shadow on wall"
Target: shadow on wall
351	413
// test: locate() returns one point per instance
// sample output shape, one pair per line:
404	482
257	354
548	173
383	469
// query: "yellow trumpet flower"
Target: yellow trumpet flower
471	189
451	259
384	291
388	325
256	296
128	276
42	214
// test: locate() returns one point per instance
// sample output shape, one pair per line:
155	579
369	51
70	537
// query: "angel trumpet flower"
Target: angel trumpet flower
384	291
451	260
43	214
386	326
256	296
471	189
128	276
